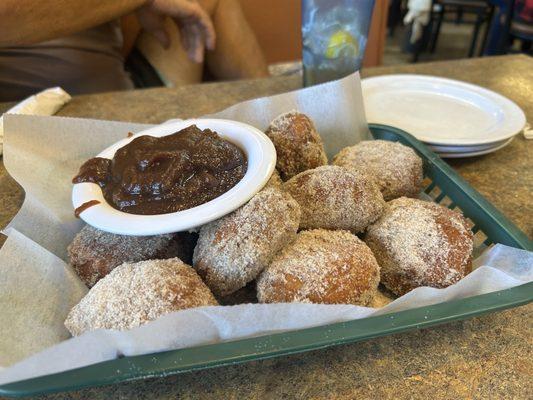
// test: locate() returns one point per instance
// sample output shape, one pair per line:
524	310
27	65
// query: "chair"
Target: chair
395	15
482	10
514	27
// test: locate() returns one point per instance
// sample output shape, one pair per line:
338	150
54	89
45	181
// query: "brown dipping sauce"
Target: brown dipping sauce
85	206
172	173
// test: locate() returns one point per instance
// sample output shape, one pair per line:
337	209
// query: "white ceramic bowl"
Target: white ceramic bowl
259	151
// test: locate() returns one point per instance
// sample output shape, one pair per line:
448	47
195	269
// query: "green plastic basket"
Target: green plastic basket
444	186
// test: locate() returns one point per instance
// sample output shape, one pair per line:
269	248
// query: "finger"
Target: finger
195	44
198	49
192	12
184	37
208	30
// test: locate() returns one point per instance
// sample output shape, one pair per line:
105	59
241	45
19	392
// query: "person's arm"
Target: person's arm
238	54
24	22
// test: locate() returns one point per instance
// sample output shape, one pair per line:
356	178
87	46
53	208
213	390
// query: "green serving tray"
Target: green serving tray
445	187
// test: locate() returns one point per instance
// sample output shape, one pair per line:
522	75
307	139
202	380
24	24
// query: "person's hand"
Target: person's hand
196	29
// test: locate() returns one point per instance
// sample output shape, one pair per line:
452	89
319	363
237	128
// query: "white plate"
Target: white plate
476	153
465	149
441	111
261	156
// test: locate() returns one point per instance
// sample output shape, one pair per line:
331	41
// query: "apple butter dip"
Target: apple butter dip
153	175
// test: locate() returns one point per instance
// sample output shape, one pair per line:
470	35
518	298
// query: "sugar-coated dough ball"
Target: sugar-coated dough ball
321	266
233	250
94	253
298	145
333	197
419	243
396	168
135	293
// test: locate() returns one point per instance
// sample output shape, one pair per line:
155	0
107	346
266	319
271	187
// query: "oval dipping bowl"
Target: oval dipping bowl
261	157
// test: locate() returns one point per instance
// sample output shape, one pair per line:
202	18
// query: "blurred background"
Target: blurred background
401	31
255	38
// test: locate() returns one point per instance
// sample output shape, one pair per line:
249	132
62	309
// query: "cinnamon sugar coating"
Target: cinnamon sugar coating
333	197
321	266
233	250
298	145
94	253
136	293
274	181
395	168
418	243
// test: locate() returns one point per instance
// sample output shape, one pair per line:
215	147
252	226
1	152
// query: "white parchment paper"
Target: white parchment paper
38	288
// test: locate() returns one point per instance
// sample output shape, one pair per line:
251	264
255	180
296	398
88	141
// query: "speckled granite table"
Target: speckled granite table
485	357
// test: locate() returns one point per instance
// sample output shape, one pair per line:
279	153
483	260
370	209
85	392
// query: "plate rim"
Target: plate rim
488	94
466	149
475	153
